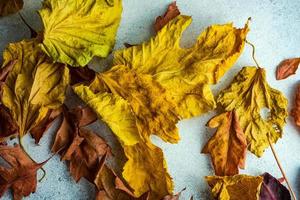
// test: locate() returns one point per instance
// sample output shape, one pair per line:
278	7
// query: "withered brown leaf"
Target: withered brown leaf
174	197
170	14
22	174
8	126
296	109
287	68
81	75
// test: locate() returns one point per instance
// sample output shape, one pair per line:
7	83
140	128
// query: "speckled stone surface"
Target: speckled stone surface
275	30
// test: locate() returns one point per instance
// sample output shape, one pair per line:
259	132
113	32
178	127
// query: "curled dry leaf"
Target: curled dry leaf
248	93
8	126
21	176
76	30
228	146
272	189
170	14
25	92
8	7
287	68
81	75
296	109
238	187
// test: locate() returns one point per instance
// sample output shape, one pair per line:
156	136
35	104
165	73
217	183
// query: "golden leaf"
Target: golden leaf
75	30
228	146
248	94
33	86
186	73
238	187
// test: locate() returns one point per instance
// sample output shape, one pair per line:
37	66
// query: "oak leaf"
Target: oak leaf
287	68
248	94
8	127
76	30
228	146
238	187
8	7
33	86
273	189
170	14
296	108
21	177
186	73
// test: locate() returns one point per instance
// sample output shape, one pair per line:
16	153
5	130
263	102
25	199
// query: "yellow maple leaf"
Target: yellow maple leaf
186	73
248	94
228	146
33	86
76	30
238	187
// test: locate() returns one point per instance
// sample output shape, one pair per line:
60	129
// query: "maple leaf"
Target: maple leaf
273	189
8	126
8	7
287	68
170	14
186	73
296	109
238	187
228	146
75	30
25	92
22	174
247	95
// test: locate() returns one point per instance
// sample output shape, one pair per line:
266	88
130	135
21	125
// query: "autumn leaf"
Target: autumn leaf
296	109
273	189
287	68
81	75
8	7
76	30
170	14
4	71
248	94
228	146
186	73
8	126
33	86
238	187
174	197
21	176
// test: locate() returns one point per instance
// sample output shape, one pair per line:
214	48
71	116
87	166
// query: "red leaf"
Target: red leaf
287	67
170	14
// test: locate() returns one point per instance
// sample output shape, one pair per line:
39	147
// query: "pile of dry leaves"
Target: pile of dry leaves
147	90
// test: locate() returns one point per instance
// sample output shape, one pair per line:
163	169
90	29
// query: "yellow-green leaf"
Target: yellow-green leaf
8	7
238	187
248	94
33	86
186	73
76	30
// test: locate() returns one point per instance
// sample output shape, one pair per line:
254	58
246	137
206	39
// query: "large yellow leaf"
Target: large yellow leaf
8	7
33	86
186	73
248	94
228	146
145	169
238	187
77	30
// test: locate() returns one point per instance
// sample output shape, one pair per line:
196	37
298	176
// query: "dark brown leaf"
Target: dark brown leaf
22	174
296	109
8	7
287	67
170	14
8	127
81	75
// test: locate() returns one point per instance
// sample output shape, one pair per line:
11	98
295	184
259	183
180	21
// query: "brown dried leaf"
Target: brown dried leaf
287	68
22	174
228	146
8	126
170	14
296	109
81	75
173	197
8	7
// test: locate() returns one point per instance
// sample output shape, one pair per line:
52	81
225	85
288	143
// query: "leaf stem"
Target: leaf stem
281	169
23	148
253	52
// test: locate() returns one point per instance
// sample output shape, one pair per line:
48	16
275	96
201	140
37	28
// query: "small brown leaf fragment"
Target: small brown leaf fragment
81	75
8	127
8	7
174	197
228	146
296	109
287	68
22	174
170	14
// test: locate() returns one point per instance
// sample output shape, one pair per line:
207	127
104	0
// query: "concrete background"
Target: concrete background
275	30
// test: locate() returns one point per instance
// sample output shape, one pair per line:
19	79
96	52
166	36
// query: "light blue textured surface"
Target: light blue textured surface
275	30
